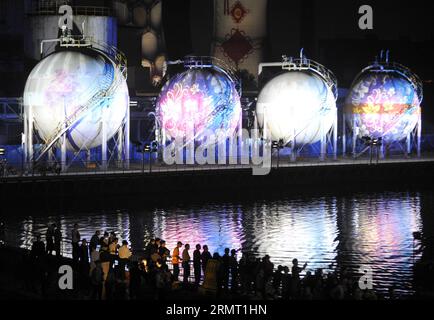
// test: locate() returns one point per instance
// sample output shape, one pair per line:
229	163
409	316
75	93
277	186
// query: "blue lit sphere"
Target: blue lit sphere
199	102
65	81
383	104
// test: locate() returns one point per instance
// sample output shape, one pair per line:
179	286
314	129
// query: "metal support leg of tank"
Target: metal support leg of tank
293	154
88	157
240	136
24	143
355	133
419	134
30	137
51	157
409	144
323	144
344	137
382	152
335	138
126	141
103	141
120	143
354	145
63	153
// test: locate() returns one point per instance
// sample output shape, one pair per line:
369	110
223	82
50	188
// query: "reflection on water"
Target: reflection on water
327	232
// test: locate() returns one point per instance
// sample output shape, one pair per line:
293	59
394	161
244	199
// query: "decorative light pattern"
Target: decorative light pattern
384	105
196	101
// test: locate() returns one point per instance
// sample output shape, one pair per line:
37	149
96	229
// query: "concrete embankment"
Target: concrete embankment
99	190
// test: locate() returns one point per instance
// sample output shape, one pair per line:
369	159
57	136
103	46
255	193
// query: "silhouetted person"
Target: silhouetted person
57	241
225	268
277	278
286	283
124	256
186	262
104	240
243	273
75	239
295	277
38	249
150	249
206	255
176	259
84	258
50	238
197	264
94	241
163	252
268	267
233	265
296	269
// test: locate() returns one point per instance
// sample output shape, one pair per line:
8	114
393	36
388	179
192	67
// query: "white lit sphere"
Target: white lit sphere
296	104
65	81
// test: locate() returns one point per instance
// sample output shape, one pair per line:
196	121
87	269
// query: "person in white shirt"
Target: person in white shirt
124	255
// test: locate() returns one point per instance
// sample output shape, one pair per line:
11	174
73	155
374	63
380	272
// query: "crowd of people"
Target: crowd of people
107	269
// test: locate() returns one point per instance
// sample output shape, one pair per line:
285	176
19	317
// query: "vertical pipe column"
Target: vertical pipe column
64	166
103	140
344	135
419	133
409	143
120	145
126	141
355	134
294	145
240	135
51	157
30	135
323	142
382	154
335	137
25	140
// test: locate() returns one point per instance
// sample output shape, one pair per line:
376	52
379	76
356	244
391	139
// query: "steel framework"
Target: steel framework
329	138
413	140
59	136
203	62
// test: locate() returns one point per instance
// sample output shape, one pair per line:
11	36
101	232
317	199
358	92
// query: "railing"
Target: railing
110	83
15	170
11	109
411	77
52	8
191	62
299	64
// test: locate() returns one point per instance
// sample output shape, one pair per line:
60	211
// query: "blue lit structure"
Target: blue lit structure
201	100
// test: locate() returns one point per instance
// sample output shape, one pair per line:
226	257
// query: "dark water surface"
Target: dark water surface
374	230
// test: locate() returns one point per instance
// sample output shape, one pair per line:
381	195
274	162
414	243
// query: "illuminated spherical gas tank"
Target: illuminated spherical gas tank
72	84
383	102
199	102
296	104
